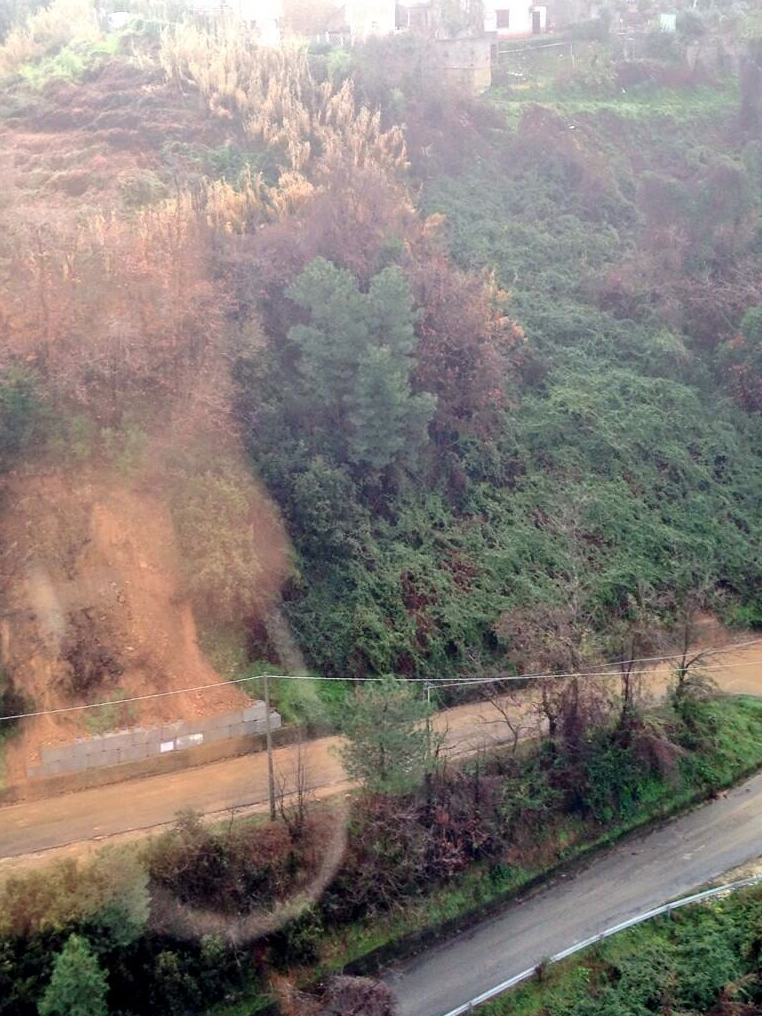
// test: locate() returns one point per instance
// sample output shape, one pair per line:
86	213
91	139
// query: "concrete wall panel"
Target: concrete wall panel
256	711
141	743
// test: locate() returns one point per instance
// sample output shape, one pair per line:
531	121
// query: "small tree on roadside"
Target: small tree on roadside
390	745
691	677
78	986
634	633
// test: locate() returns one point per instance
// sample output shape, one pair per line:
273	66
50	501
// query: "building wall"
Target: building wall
520	17
366	18
266	15
415	14
466	62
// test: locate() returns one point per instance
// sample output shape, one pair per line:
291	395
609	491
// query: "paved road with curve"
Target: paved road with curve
631	878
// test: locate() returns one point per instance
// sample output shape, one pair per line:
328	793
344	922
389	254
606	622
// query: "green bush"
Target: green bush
71	62
12	703
213	509
23	415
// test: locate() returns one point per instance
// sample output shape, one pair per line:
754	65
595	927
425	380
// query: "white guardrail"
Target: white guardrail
491	993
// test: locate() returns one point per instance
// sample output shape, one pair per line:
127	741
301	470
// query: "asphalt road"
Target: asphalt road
633	877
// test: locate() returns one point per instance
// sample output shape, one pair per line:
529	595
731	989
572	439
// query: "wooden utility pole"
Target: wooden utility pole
269	736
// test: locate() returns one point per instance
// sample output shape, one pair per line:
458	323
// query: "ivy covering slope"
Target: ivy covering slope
615	447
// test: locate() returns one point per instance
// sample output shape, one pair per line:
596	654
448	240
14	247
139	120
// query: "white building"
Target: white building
264	15
515	19
366	18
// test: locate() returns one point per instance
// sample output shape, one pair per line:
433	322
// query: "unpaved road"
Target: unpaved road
633	877
36	831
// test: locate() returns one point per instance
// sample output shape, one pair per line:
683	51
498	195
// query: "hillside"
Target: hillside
496	366
601	453
308	357
114	434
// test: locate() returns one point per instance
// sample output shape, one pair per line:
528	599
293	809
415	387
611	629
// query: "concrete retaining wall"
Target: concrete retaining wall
155	765
123	746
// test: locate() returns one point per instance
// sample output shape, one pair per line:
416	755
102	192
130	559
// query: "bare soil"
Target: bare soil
96	610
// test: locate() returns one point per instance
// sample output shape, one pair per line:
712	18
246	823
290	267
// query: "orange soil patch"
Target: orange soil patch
90	569
92	582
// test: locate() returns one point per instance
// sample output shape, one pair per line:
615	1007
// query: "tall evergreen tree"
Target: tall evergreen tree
355	360
78	986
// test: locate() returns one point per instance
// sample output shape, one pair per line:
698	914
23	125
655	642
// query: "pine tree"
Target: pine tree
78	986
355	364
384	414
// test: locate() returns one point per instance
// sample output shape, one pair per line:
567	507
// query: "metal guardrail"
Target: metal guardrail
491	993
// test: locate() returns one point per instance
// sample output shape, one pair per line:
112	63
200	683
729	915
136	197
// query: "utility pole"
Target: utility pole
269	737
427	686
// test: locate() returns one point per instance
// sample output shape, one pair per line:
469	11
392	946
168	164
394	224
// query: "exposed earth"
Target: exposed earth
95	608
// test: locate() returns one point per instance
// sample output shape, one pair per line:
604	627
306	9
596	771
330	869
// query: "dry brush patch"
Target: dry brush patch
46	31
273	93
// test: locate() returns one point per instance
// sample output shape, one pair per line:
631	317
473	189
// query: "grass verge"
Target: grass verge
683	961
687	105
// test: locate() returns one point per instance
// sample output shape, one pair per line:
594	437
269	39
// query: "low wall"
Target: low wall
155	765
139	743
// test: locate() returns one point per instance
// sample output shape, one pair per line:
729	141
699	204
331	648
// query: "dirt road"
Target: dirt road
632	878
38	830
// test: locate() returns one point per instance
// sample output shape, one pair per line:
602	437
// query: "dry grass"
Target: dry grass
47	31
277	100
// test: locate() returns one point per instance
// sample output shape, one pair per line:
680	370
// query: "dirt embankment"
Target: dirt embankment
94	608
92	602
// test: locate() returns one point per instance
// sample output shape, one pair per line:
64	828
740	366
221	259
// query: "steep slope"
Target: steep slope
96	608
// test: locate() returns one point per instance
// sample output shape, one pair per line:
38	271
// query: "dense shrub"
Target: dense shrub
698	961
22	415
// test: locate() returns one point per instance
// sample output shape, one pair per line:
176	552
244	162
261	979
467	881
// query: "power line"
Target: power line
579	673
436	682
596	673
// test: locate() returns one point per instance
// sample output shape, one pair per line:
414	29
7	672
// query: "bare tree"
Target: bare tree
553	639
506	700
357	996
690	623
294	795
634	634
341	996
